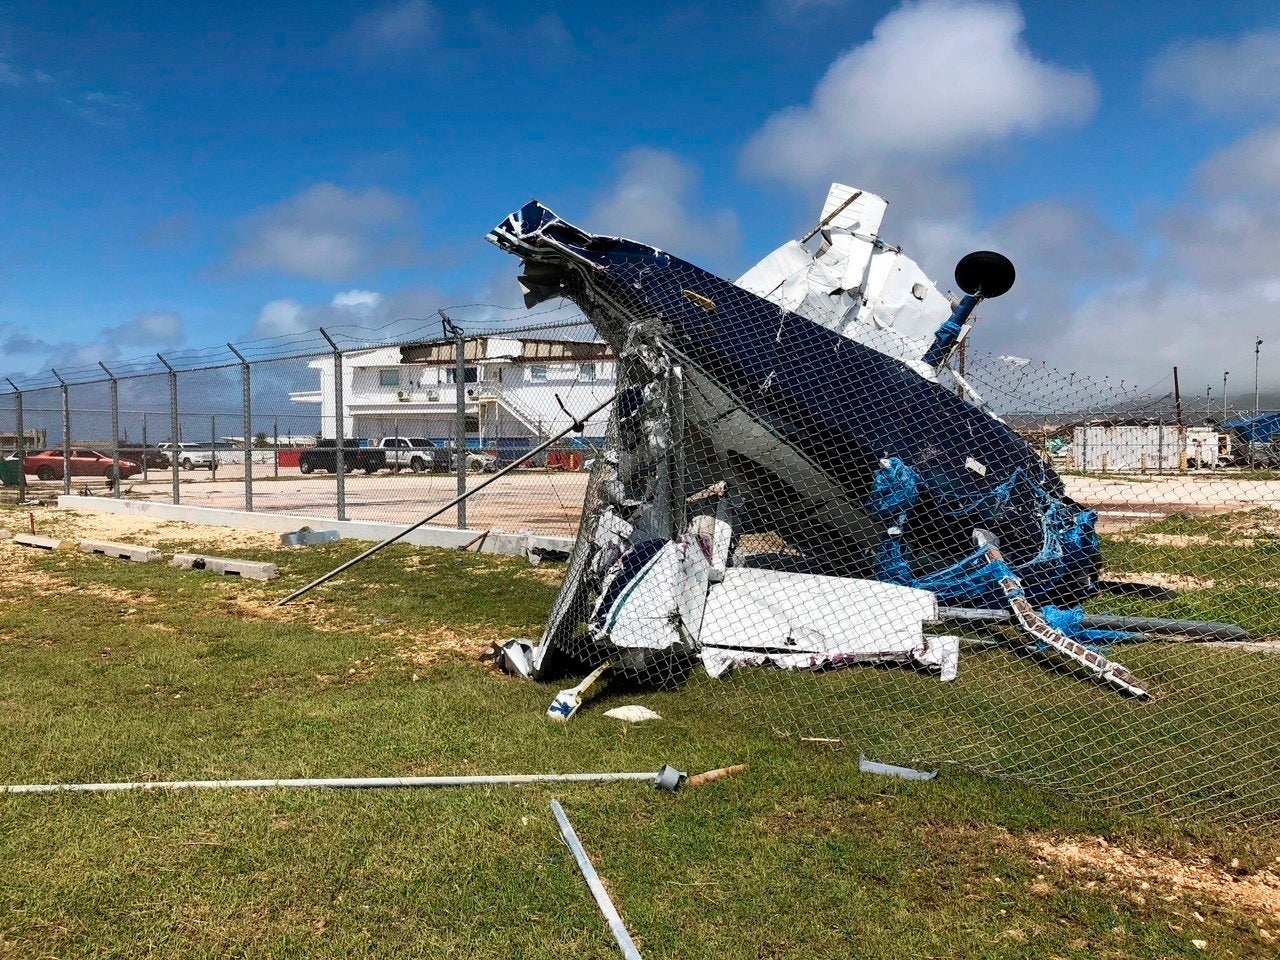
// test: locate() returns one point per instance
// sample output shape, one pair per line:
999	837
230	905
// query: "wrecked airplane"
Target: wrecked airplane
796	475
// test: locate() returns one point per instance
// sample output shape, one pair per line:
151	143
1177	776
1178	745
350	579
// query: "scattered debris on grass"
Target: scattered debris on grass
632	713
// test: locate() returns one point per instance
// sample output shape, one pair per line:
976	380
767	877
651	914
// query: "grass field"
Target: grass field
113	671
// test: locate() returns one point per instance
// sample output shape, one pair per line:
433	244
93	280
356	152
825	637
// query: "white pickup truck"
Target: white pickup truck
414	453
189	456
419	454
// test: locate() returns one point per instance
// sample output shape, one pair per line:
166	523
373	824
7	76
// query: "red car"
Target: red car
48	464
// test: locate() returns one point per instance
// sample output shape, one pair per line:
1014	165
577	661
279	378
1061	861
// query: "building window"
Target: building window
472	374
389	378
538	373
587	373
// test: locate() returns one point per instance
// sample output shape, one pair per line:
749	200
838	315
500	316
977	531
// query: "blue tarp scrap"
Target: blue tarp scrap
1070	546
1070	620
1264	428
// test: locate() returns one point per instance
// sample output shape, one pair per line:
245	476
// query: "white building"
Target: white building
510	391
1146	447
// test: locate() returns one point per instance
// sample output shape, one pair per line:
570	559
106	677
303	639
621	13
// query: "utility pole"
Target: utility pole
1224	393
1257	348
460	408
1208	407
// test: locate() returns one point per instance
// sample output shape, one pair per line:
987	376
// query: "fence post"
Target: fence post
275	444
246	404
213	446
115	430
21	444
460	408
340	452
175	431
66	434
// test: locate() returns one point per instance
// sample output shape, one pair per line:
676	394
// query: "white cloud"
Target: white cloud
327	233
1198	301
654	200
279	318
161	328
394	29
1220	74
1249	166
359	300
9	75
938	79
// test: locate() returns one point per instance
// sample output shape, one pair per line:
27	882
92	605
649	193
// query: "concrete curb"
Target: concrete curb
248	569
511	544
35	540
121	551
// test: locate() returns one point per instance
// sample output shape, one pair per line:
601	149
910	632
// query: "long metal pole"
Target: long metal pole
115	430
1224	393
66	435
20	445
619	929
460	426
376	548
246	401
339	427
175	430
332	783
1257	349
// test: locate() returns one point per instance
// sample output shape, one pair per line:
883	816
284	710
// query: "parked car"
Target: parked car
324	456
49	465
477	461
151	458
416	453
191	455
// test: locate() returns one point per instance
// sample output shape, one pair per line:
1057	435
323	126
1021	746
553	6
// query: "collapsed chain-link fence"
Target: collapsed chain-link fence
980	561
841	534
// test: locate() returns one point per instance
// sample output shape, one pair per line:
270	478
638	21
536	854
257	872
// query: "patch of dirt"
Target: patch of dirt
1256	892
1178	581
545	573
443	643
21	584
1167	581
145	531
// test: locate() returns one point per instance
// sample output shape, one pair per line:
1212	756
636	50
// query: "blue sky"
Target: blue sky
184	174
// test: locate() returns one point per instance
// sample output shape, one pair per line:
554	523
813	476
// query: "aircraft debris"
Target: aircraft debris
796	475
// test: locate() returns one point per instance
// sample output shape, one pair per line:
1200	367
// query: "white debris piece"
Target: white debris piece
804	621
941	654
662	606
855	284
632	713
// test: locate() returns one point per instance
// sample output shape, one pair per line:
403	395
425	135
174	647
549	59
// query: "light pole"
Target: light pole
1257	348
1208	406
1224	393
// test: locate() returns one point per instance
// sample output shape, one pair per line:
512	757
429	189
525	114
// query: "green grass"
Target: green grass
114	671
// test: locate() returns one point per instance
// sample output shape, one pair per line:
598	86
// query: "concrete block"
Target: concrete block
249	569
306	537
121	551
35	540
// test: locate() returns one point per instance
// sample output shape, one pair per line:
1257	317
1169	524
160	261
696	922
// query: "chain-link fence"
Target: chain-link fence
988	562
851	534
418	418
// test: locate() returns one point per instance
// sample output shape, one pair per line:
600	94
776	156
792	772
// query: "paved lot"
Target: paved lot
546	502
550	502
